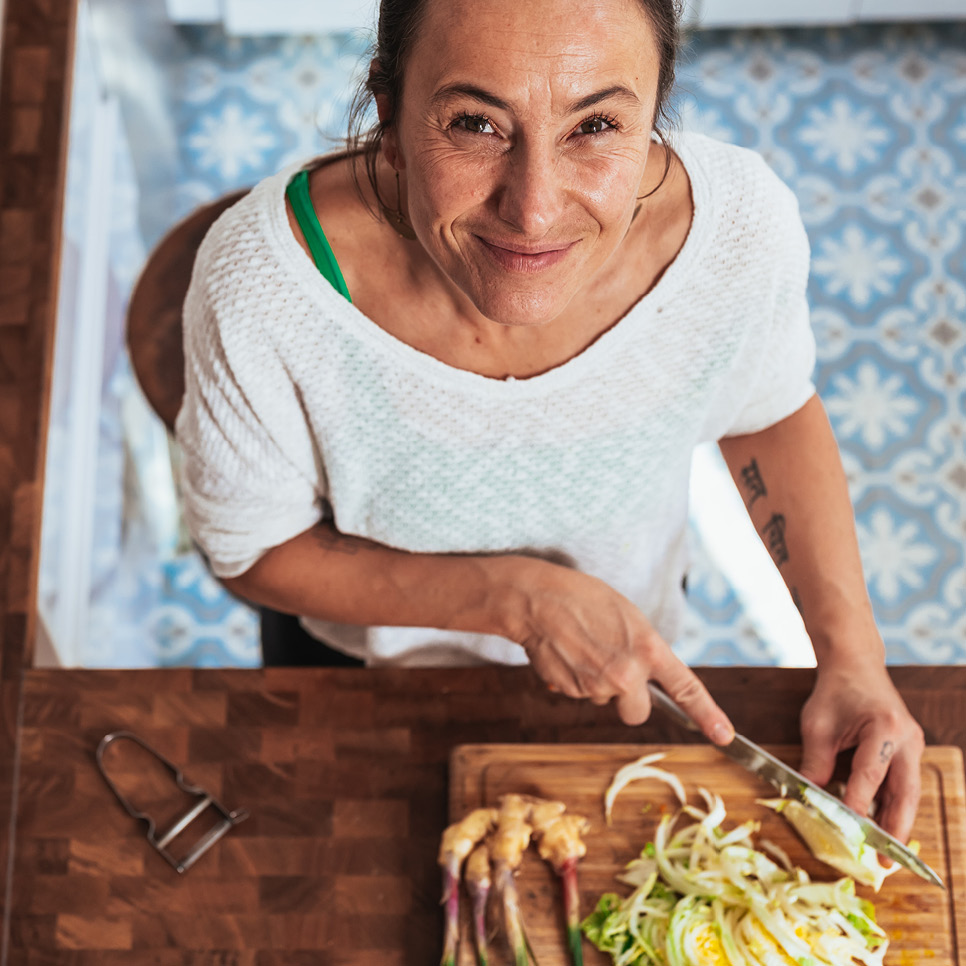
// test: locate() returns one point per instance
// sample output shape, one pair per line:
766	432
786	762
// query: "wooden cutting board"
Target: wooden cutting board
926	926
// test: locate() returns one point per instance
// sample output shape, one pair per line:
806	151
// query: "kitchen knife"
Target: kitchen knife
791	784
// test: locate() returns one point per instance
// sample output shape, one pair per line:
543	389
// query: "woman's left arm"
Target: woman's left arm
791	479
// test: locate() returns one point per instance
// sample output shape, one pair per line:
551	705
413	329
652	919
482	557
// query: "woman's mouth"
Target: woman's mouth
515	257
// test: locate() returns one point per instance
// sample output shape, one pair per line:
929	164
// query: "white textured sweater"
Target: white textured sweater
298	405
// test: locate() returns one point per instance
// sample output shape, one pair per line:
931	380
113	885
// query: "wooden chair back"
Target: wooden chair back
154	331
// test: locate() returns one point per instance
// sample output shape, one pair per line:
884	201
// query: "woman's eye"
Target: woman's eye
594	125
474	123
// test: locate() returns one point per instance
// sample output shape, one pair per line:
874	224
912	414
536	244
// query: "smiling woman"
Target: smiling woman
522	184
464	434
524	152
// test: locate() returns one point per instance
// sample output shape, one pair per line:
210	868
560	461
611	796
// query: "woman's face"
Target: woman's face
521	140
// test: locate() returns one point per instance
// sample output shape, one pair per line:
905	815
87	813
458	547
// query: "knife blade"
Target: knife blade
793	784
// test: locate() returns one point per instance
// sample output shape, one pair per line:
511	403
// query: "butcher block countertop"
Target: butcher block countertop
345	774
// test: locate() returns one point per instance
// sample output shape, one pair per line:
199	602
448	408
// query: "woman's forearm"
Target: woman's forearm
581	636
324	574
791	479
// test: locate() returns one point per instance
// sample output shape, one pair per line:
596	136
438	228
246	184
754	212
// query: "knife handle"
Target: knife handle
661	700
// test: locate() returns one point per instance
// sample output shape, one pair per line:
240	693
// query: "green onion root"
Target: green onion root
451	900
512	918
479	893
571	898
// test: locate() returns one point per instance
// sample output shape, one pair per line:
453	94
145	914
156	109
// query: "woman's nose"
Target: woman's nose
532	195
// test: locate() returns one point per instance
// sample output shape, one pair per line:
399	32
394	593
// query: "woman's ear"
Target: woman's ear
388	144
385	112
383	108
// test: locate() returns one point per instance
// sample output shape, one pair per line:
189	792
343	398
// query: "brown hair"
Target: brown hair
398	26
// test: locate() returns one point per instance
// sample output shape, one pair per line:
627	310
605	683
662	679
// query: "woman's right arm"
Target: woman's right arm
348	580
581	636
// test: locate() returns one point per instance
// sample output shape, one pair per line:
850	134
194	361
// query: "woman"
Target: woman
483	456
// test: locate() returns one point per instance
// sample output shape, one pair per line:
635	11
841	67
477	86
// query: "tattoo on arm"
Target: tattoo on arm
797	601
886	751
774	534
752	483
330	539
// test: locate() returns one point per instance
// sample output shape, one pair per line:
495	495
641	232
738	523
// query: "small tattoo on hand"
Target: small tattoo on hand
886	752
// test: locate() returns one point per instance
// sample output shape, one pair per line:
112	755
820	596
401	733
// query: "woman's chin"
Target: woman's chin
525	308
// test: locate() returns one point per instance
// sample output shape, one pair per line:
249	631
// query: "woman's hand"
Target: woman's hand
861	709
588	641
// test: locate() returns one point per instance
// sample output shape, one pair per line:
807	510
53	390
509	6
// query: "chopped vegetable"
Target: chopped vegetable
836	839
704	894
636	770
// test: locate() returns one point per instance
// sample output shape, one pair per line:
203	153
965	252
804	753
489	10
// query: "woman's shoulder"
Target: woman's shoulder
739	177
746	203
362	242
244	239
250	282
254	245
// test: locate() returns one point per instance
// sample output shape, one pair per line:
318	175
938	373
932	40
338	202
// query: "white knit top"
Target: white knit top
297	406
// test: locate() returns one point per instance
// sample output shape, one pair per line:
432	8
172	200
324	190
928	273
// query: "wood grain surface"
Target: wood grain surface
925	924
345	773
35	71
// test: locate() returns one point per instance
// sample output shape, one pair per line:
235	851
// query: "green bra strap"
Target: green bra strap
298	194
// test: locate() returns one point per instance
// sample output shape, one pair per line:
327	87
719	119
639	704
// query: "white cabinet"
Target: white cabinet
747	13
904	10
65	580
193	11
768	13
243	17
296	16
248	17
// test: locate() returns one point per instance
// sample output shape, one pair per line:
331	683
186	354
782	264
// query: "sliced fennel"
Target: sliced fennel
704	895
635	771
835	839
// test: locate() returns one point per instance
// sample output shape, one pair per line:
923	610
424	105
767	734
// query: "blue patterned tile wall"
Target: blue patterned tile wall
868	126
244	108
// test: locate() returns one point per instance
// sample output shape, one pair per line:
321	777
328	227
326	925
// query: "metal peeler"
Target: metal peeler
205	801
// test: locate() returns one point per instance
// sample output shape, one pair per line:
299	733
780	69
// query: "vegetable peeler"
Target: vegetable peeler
162	841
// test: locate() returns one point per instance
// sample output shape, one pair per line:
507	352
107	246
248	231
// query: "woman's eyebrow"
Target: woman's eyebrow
469	90
486	97
615	91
